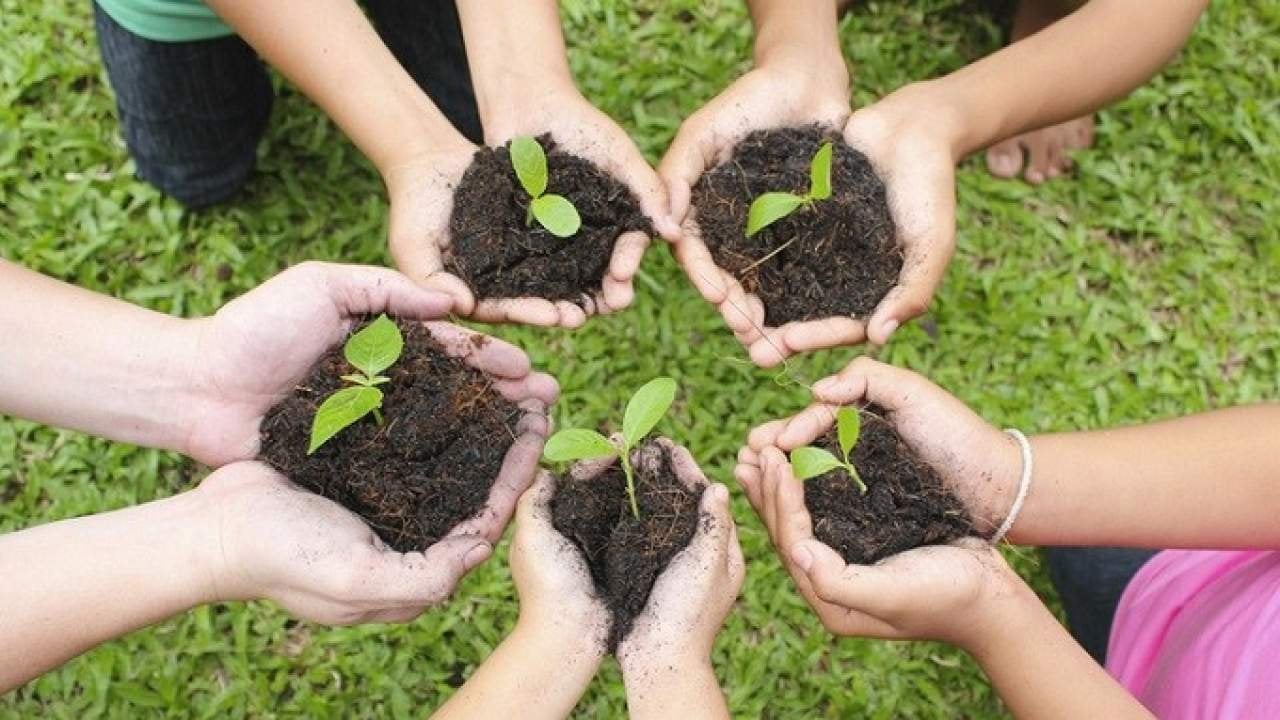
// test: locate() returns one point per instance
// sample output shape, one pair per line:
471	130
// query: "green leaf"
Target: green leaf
848	425
340	410
376	347
770	208
810	462
530	163
574	444
646	408
557	215
820	173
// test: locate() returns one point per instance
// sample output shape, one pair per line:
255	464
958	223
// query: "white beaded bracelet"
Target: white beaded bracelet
1024	486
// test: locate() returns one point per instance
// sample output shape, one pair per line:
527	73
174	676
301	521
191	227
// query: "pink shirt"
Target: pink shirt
1197	635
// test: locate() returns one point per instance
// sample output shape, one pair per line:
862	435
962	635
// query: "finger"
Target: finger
485	353
420	579
765	435
826	333
872	589
684	466
535	504
772	465
807	425
735	564
588	469
749	475
615	295
692	152
534	386
708	279
628	251
526	311
872	381
629	165
362	290
572	316
710	543
768	349
464	302
794	522
517	472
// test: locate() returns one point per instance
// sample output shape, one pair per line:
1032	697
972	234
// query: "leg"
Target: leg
1047	149
192	112
1090	582
426	37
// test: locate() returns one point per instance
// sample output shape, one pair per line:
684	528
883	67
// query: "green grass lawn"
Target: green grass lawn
1145	287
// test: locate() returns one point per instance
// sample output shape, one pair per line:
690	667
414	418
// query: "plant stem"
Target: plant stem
377	416
631	481
853	473
528	216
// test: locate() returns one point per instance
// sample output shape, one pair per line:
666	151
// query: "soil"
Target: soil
839	257
499	255
906	504
626	555
426	468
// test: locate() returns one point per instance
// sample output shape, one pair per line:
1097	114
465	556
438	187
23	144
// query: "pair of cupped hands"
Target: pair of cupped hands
900	135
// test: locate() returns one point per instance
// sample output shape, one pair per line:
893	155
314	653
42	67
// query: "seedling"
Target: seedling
372	350
553	212
810	462
771	207
643	412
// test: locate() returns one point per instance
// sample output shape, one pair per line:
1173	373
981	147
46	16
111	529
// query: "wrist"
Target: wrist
194	556
661	665
1010	612
925	109
579	648
512	101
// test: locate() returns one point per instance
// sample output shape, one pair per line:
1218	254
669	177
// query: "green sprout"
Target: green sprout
643	412
810	462
553	212
372	350
773	206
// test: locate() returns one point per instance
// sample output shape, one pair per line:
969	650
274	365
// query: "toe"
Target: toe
1004	160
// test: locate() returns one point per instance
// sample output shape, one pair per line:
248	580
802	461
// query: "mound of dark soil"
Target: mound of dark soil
839	257
427	467
906	505
499	255
626	555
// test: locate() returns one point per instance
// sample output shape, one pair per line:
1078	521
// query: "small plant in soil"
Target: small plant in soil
810	462
553	212
773	206
370	351
644	411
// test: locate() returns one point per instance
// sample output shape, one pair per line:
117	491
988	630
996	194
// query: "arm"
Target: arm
74	584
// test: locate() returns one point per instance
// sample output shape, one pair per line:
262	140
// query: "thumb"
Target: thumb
692	152
361	290
710	544
865	588
429	578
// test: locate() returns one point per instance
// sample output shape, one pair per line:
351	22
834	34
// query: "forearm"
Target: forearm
1040	671
514	50
534	673
1055	75
71	585
1203	481
787	29
88	362
671	687
331	52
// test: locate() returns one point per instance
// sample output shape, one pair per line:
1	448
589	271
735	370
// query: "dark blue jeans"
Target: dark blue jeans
1090	581
193	112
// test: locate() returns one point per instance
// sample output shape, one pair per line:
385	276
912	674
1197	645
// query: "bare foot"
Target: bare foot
1045	153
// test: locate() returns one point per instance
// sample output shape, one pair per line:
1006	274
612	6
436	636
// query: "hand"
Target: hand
555	106
269	539
694	594
789	89
956	594
557	595
980	464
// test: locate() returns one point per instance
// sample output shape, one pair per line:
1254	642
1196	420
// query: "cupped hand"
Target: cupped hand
694	594
556	107
253	351
785	92
979	464
271	540
951	593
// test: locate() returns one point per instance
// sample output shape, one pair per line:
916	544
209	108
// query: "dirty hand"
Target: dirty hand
955	593
553	105
913	147
253	351
269	539
785	90
980	464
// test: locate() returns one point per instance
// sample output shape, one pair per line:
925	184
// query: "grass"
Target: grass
1144	288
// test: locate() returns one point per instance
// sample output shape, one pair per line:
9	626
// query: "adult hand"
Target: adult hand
269	539
980	464
787	89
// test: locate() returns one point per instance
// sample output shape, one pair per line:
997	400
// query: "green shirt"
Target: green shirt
167	20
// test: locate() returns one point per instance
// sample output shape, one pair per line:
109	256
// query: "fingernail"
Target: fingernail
477	555
801	556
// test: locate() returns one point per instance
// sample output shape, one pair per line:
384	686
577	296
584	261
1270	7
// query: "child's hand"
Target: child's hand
269	539
912	143
980	464
694	594
557	596
950	593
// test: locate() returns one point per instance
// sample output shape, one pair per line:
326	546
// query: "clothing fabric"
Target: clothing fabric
1090	581
167	20
1197	635
193	112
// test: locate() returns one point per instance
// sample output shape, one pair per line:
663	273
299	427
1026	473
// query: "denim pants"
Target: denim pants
1090	581
193	112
